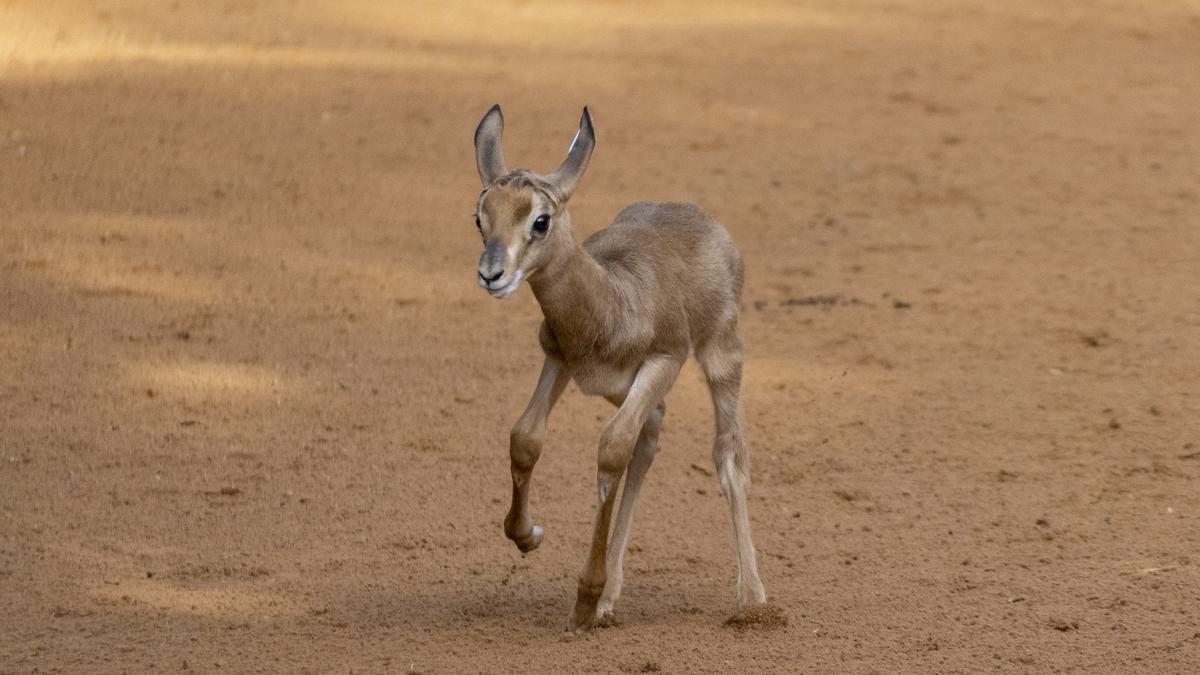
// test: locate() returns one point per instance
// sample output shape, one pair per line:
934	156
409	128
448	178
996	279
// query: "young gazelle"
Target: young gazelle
622	313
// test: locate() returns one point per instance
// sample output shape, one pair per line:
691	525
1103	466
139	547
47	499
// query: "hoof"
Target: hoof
580	627
606	619
585	616
599	618
750	593
530	541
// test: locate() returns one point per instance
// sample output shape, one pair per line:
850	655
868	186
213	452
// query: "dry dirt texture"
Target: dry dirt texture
255	410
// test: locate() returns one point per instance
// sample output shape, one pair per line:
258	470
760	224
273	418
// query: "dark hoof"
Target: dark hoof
583	619
530	541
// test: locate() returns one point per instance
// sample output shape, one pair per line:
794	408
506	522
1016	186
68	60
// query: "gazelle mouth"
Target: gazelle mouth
507	289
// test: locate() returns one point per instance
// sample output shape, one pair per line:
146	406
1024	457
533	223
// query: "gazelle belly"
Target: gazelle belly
598	379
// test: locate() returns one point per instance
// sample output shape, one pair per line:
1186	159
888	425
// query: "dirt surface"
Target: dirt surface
255	410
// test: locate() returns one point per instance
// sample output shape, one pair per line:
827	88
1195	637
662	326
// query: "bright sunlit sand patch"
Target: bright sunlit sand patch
97	278
42	36
89	51
48	35
65	35
501	22
223	603
207	379
102	255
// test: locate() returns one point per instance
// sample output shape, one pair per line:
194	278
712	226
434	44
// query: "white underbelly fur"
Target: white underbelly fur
602	380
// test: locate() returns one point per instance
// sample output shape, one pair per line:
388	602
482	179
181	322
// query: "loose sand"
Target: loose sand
255	410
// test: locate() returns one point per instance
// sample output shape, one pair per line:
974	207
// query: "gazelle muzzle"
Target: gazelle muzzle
492	263
497	274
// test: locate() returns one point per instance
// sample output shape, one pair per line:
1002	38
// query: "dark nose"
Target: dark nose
492	262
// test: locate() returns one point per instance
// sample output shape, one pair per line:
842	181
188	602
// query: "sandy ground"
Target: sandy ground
255	410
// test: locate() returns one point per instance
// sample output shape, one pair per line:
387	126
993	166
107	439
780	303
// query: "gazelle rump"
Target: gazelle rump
623	311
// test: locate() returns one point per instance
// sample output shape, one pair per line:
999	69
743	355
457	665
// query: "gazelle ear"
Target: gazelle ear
566	178
489	157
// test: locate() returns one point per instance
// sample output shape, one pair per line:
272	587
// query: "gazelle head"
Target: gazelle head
522	215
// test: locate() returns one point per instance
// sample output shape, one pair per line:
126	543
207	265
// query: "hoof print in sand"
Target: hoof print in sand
758	617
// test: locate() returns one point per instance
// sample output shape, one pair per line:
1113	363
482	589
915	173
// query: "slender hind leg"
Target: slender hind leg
643	456
721	359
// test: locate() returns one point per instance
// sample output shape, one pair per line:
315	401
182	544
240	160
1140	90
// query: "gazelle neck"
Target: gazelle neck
576	295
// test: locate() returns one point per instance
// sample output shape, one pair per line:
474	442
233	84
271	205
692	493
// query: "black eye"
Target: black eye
541	224
477	223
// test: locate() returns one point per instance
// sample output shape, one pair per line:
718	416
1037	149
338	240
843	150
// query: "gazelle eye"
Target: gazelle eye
477	223
541	224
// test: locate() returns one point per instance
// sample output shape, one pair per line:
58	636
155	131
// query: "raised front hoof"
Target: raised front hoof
529	541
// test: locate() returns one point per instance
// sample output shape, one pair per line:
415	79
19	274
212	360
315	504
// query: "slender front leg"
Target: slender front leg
653	381
524	448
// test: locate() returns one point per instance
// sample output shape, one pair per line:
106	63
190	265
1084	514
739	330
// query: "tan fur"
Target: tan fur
622	311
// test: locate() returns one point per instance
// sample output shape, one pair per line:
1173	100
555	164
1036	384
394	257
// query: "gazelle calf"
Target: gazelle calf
622	313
